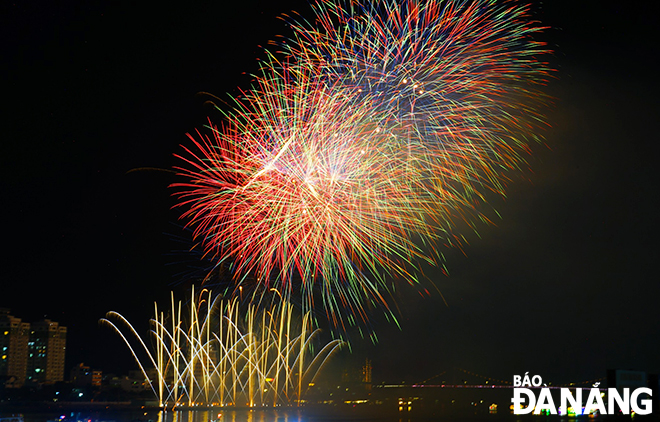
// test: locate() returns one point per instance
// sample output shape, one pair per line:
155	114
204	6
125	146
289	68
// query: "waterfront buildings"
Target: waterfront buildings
14	334
84	376
31	352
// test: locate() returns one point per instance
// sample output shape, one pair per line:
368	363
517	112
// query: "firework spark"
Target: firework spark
294	190
459	78
381	127
216	353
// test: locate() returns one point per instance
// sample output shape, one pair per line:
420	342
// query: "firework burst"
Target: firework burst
460	78
293	190
382	125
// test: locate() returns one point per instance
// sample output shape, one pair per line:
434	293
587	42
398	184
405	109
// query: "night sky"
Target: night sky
563	285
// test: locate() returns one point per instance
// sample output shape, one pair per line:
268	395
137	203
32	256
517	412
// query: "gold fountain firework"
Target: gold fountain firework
213	354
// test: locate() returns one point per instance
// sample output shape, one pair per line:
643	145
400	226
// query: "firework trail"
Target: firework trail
380	127
212	352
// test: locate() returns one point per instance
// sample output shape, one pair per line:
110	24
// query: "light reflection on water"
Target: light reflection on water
230	416
269	415
215	415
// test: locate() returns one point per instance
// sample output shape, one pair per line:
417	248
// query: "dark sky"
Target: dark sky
564	285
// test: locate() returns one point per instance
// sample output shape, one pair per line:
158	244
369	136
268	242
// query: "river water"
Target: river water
177	416
266	415
270	415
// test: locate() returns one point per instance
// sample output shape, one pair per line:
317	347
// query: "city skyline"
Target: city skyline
31	352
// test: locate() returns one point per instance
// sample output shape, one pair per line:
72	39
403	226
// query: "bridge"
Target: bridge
485	382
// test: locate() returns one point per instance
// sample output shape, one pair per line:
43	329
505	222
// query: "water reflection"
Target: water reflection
230	416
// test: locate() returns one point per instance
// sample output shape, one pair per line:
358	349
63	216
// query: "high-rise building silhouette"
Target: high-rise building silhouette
46	352
30	352
14	335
